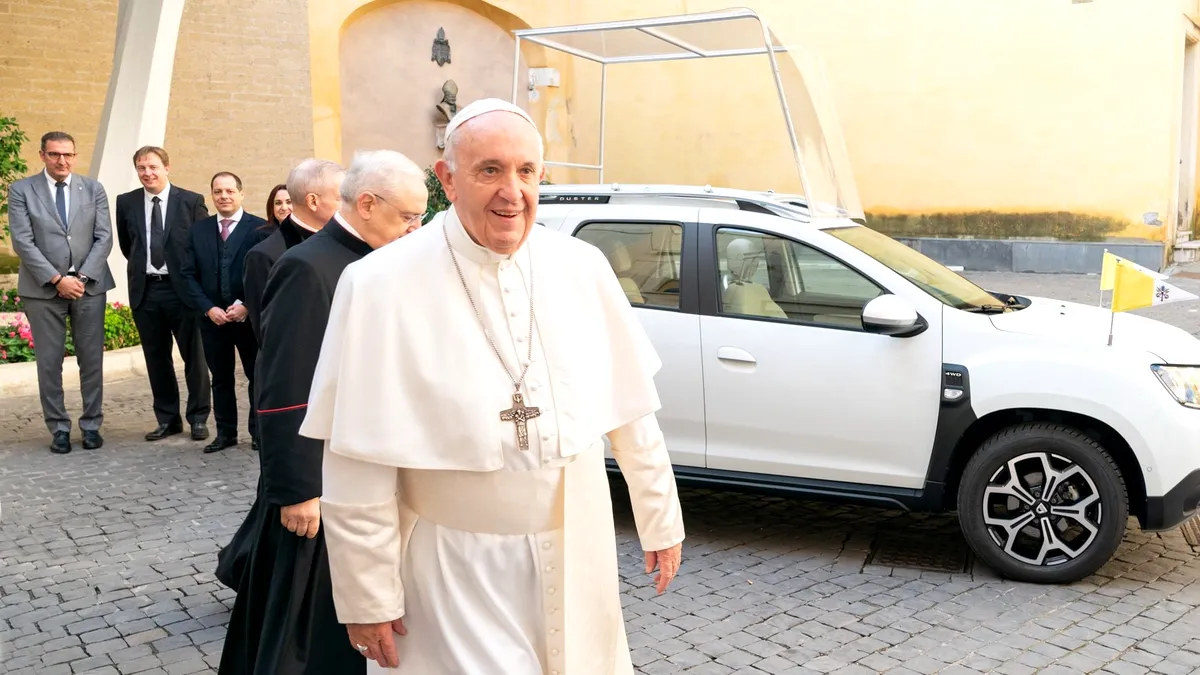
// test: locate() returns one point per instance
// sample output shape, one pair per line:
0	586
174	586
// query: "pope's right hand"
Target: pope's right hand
377	638
303	519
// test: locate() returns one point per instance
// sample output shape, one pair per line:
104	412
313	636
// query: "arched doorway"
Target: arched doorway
391	86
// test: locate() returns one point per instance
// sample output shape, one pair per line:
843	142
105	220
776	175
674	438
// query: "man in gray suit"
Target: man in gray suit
62	233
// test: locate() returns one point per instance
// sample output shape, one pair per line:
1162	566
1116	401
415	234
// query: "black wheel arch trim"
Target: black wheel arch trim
1168	511
955	417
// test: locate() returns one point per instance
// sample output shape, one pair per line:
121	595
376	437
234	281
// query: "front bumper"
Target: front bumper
1180	503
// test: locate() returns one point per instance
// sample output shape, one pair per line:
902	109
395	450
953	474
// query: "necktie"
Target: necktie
225	228
156	235
60	202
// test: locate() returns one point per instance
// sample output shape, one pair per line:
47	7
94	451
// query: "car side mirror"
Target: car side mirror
892	315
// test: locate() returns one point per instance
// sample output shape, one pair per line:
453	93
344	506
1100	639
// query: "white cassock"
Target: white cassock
500	560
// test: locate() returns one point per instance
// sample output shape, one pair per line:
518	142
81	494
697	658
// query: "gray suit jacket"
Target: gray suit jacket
46	248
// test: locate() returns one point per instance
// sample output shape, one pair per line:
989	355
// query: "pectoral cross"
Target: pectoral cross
519	414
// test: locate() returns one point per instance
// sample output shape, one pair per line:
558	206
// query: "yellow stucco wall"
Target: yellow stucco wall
1015	106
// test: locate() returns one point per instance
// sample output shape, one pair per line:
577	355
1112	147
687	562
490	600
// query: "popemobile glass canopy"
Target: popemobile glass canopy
806	111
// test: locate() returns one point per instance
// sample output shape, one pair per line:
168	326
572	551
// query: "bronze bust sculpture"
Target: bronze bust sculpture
448	105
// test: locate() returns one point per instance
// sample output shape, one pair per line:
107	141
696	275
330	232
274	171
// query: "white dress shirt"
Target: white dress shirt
305	225
163	196
349	228
236	218
66	191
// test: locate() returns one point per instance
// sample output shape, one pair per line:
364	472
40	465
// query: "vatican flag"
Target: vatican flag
1109	269
1135	287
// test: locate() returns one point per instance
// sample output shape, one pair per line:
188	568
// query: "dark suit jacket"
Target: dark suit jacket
184	207
259	262
206	256
47	247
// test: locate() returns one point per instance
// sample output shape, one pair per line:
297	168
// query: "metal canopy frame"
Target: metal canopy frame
656	32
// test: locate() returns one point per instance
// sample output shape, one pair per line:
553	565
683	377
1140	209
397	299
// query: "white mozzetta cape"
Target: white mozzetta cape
407	377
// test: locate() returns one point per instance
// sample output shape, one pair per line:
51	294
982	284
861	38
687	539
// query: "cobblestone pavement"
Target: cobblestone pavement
106	561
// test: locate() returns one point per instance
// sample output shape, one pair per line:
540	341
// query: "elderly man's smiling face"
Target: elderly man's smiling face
494	183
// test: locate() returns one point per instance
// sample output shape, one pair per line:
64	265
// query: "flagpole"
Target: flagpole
1111	320
1101	303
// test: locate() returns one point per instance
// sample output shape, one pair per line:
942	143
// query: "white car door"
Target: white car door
649	252
793	384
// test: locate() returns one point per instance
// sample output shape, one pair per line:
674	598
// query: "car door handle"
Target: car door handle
734	354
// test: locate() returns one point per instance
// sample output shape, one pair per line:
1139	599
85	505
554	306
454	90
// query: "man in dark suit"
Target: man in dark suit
213	270
152	228
62	233
313	186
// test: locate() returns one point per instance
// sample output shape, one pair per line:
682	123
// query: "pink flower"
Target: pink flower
12	334
117	305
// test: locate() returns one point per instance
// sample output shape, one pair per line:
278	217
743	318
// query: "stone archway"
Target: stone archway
389	84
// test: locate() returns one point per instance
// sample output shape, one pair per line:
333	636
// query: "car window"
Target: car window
644	256
761	275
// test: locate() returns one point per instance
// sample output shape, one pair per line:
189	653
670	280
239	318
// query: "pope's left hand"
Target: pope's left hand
667	561
237	312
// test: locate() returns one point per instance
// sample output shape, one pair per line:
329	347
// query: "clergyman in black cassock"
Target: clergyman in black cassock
314	185
259	260
283	620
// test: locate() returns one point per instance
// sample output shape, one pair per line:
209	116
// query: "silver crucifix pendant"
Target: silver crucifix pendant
519	414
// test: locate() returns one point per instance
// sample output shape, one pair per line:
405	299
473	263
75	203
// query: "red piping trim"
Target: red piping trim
279	410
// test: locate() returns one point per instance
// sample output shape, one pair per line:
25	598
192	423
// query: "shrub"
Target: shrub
438	201
12	166
16	340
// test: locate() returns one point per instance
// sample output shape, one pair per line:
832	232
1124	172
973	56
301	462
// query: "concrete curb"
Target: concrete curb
20	379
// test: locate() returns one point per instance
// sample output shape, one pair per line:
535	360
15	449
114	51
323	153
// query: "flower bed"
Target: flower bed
16	339
9	301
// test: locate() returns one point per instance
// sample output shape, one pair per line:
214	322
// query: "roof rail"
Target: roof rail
788	206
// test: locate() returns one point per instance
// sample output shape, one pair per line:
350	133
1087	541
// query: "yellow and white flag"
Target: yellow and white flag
1109	269
1135	287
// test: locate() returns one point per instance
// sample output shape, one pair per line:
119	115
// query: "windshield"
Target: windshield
930	275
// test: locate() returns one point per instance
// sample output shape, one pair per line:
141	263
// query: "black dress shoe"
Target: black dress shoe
220	443
254	445
92	440
199	431
61	444
163	431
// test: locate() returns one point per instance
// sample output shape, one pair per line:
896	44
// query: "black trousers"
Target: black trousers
161	316
219	345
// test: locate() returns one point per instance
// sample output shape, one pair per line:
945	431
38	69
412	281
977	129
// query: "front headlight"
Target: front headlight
1182	381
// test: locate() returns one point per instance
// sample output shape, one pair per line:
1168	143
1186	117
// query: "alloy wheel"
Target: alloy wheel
1042	509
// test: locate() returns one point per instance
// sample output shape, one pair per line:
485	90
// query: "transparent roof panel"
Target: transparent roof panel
615	44
811	150
734	34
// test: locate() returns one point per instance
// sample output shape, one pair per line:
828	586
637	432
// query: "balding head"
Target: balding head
383	196
491	171
313	187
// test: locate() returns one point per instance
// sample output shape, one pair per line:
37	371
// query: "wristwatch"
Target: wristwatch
83	279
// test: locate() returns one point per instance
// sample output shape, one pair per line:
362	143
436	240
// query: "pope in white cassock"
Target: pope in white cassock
466	505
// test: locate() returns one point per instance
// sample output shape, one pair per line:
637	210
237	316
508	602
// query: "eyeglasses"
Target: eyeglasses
55	156
409	219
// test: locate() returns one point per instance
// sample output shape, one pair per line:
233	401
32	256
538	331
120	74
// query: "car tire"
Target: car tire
1027	536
